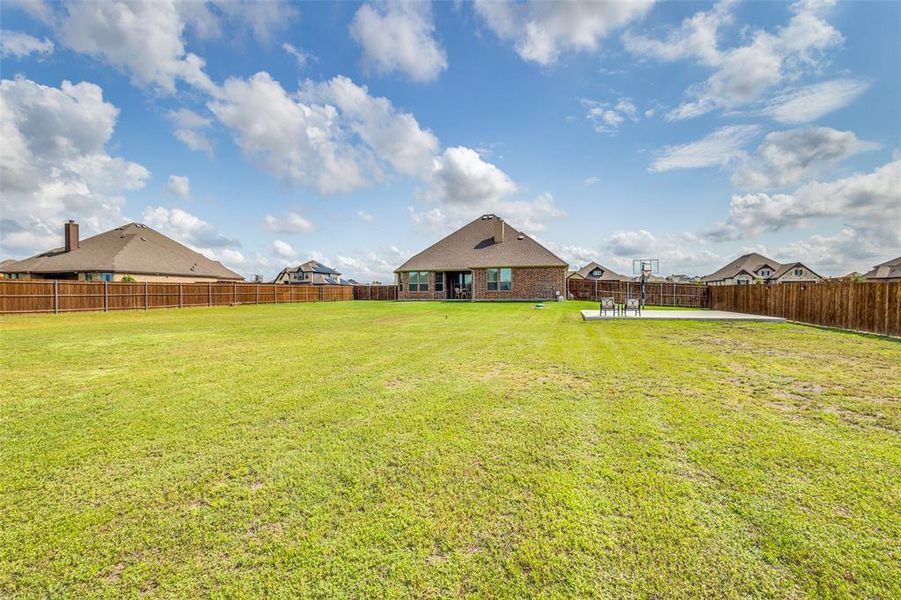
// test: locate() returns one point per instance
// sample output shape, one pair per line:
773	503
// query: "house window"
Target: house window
596	273
741	282
799	272
500	279
439	282
765	272
89	277
106	277
419	281
400	282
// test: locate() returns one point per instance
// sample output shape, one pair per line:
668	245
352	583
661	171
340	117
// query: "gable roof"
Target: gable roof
132	248
750	263
473	247
890	269
606	274
314	266
787	267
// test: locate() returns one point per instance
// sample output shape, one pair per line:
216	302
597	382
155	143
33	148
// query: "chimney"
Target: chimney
70	230
498	230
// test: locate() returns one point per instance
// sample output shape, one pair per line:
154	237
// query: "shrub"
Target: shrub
128	279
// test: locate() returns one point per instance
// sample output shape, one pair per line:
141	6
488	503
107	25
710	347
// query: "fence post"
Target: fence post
320	293
274	294
209	294
106	296
256	294
234	294
55	297
145	296
180	286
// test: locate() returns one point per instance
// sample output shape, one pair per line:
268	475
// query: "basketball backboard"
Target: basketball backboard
650	266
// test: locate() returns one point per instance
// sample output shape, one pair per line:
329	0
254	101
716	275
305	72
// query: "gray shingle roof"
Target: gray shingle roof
890	269
130	249
473	247
606	274
749	263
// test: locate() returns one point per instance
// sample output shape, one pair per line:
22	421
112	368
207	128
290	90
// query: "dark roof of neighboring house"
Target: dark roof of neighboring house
606	274
132	248
473	247
890	269
311	266
750	263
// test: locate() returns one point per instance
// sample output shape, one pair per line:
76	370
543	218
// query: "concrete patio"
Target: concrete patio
680	315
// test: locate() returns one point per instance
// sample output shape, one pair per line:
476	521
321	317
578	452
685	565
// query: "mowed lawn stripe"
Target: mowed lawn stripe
437	449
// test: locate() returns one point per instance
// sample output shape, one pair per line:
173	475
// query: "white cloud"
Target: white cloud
397	36
371	265
364	216
719	148
394	136
685	252
190	129
461	177
332	135
192	231
263	19
302	57
813	101
847	250
742	74
696	37
143	39
867	202
606	117
179	185
292	222
540	31
54	163
18	44
284	250
787	157
590	181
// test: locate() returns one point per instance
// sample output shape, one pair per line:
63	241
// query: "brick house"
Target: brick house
754	268
484	260
133	250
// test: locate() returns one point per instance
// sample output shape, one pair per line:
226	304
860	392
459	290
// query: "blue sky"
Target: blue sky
264	134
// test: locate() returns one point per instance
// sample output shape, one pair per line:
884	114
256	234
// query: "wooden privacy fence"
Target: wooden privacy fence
860	306
656	294
375	292
46	296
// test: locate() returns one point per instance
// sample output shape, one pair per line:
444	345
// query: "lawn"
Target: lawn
423	449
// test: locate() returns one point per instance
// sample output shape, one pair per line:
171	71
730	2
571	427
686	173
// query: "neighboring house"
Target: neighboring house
890	270
133	249
3	265
484	260
753	268
683	279
311	272
595	272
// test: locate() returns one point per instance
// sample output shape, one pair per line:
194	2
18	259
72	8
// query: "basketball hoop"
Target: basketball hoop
645	267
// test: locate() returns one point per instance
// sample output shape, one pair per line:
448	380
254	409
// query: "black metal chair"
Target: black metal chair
632	304
608	304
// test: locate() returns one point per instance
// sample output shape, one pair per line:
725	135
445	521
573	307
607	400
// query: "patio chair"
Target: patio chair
632	304
608	304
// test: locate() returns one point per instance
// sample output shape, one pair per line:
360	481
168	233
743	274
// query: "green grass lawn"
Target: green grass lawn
422	449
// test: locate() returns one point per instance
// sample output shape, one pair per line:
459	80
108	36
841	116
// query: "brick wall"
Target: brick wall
406	294
529	283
